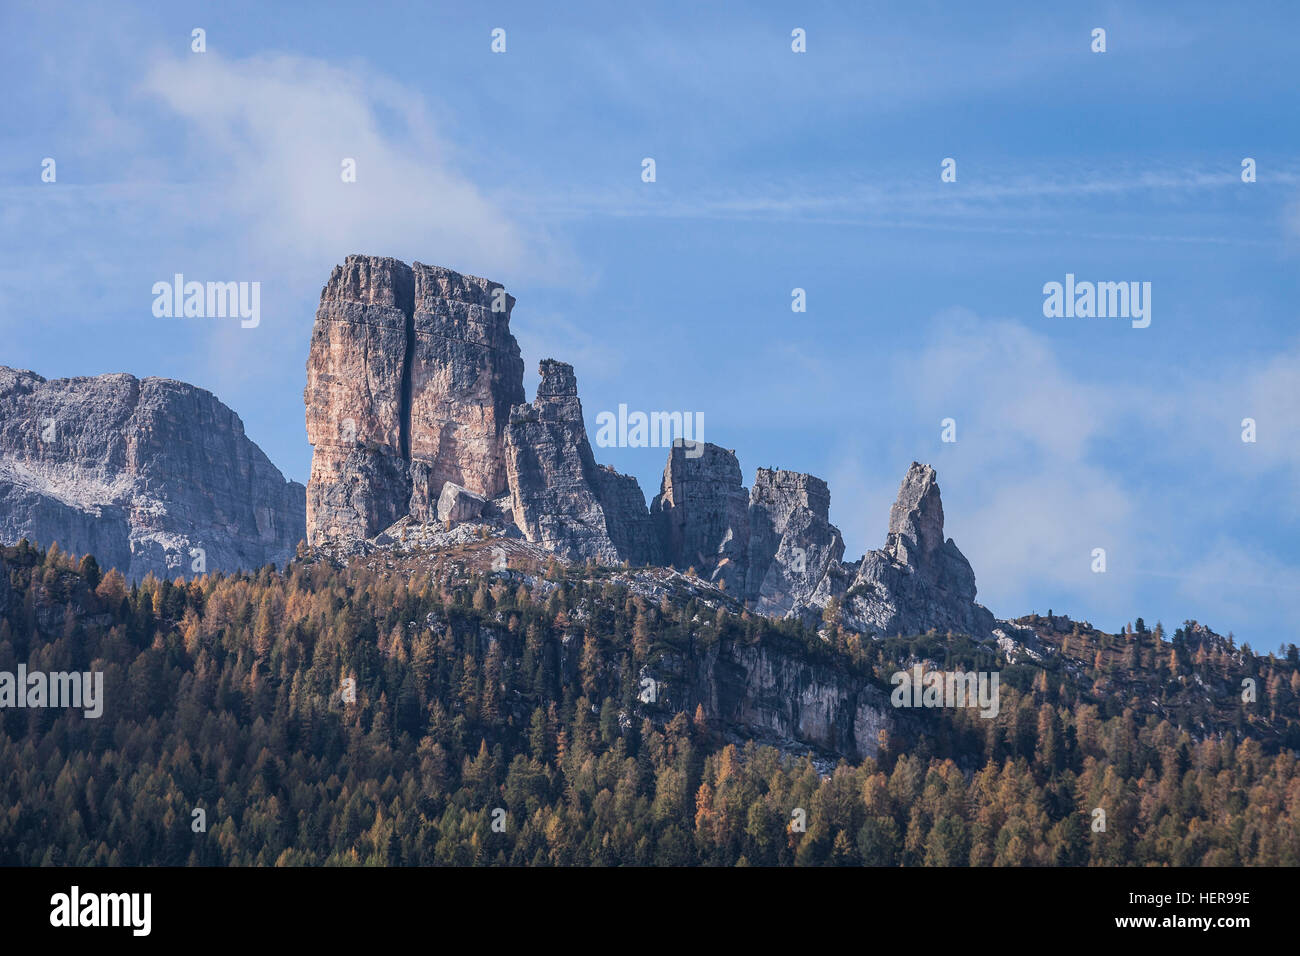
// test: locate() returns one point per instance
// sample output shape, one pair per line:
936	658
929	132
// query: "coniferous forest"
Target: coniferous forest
362	715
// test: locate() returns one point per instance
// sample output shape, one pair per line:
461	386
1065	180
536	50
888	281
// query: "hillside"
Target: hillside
517	698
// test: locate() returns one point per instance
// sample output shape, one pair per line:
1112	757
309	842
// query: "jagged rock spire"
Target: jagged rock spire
916	518
560	497
919	581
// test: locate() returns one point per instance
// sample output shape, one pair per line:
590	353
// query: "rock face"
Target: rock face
356	408
919	581
771	692
626	518
776	550
792	544
410	378
701	513
140	472
415	406
772	546
465	374
562	500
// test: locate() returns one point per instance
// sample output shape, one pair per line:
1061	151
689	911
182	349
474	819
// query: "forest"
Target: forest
328	714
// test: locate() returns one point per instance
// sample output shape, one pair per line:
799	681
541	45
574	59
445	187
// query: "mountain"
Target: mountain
415	393
489	622
149	475
416	411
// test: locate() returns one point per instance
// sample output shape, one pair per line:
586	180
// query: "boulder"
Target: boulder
457	504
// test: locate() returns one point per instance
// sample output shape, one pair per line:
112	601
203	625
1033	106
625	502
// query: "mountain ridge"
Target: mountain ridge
772	546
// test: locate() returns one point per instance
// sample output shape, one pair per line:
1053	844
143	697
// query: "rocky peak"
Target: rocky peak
149	475
558	380
371	280
701	513
916	518
919	581
408	364
792	544
557	395
780	492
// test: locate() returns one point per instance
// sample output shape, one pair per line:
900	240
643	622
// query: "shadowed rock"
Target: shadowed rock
701	513
561	498
792	543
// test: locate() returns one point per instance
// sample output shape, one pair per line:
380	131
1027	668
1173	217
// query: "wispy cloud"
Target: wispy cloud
274	132
1052	201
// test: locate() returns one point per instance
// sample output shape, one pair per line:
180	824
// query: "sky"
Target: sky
775	170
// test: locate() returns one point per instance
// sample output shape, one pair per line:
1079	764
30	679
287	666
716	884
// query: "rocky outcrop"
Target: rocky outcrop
792	544
701	513
561	499
772	692
771	547
415	406
919	581
627	521
410	379
423	506
146	474
357	404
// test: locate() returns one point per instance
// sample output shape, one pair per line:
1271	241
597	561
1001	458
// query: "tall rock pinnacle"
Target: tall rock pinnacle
792	544
356	401
919	581
916	518
701	514
410	379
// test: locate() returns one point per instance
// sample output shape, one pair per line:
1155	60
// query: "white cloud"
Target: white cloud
273	131
1037	480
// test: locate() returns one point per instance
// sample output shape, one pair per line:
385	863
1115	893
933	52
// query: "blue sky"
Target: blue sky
775	170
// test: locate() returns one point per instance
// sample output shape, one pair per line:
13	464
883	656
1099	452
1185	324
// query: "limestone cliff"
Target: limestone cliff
146	474
775	693
356	403
701	514
411	375
465	375
792	544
